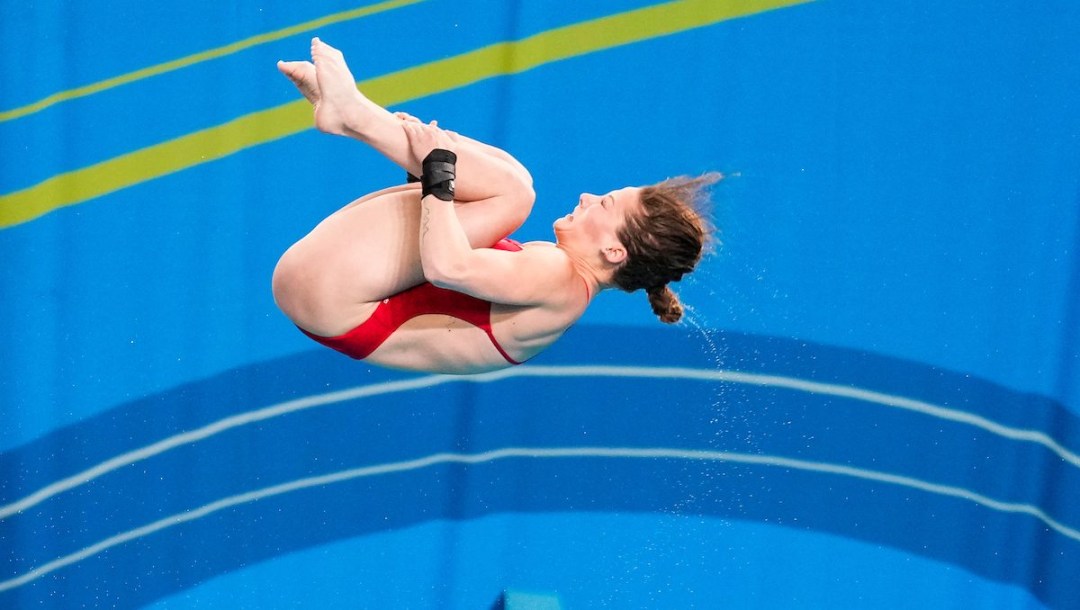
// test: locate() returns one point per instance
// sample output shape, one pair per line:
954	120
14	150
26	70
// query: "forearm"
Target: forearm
444	246
488	171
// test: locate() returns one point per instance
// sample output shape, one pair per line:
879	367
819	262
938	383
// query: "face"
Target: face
596	219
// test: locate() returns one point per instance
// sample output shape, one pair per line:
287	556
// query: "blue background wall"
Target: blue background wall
873	403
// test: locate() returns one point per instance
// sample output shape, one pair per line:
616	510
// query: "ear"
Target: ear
614	254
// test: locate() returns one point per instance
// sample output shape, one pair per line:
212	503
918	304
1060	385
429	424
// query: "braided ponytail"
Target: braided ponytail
665	304
665	241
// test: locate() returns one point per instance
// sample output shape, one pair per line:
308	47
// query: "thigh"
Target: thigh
370	250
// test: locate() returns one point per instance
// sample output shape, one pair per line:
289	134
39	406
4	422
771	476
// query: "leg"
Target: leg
329	281
341	109
475	147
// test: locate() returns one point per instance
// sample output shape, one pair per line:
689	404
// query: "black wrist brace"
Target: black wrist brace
439	173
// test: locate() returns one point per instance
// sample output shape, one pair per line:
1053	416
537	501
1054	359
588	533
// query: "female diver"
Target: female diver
422	277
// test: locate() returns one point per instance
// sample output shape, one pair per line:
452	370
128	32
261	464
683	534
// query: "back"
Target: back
455	333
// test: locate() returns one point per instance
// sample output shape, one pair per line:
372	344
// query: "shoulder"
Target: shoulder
539	244
535	275
548	274
551	273
537	253
545	252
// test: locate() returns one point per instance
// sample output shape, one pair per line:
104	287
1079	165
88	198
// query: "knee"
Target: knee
286	284
522	202
304	291
511	209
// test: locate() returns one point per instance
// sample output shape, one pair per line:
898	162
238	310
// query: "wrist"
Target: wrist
439	171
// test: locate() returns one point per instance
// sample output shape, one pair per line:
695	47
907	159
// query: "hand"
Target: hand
406	117
425	138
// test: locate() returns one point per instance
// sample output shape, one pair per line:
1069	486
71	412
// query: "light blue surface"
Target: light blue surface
636	561
518	600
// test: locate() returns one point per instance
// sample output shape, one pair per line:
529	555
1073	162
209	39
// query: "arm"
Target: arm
532	277
479	147
487	171
535	276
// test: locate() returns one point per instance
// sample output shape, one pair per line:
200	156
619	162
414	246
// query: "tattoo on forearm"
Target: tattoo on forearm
425	218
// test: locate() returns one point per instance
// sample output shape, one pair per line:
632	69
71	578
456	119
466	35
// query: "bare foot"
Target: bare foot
302	74
340	109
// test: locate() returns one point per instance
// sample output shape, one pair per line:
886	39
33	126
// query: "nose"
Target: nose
586	200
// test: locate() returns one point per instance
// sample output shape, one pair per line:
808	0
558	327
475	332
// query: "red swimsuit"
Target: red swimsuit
423	299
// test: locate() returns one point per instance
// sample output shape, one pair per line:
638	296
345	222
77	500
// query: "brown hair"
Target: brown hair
665	240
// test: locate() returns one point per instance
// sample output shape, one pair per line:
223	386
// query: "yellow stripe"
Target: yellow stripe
435	77
183	62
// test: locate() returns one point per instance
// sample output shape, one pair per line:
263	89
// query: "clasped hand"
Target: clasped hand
425	137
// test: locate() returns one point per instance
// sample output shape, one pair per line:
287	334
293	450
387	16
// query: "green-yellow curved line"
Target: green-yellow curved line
183	62
264	126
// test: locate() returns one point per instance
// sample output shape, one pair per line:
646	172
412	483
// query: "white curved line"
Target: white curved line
829	389
191	436
708	375
535	453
